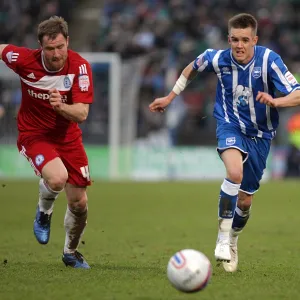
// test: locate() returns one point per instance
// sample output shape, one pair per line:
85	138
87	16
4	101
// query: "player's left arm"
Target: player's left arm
82	95
285	83
290	100
76	112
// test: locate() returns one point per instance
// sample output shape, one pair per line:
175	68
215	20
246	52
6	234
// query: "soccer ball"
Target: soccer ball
189	270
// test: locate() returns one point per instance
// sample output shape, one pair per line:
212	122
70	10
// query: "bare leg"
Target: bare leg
76	217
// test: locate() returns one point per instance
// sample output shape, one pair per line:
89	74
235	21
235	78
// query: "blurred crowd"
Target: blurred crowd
19	18
171	33
168	34
186	28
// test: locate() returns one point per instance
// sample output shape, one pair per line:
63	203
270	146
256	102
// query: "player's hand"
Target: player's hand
265	98
55	99
159	104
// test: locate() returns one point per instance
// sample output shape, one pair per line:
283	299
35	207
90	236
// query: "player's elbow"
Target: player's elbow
83	116
83	113
81	119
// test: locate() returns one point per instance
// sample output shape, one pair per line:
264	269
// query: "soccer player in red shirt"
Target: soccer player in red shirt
57	90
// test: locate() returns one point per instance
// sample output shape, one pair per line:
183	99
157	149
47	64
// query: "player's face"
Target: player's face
242	41
55	51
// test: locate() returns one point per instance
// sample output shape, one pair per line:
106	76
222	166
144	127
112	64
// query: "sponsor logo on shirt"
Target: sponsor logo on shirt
226	71
45	96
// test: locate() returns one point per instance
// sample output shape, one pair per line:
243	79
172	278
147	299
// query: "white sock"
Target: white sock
74	227
224	229
46	197
243	213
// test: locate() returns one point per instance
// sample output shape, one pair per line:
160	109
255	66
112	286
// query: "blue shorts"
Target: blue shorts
255	152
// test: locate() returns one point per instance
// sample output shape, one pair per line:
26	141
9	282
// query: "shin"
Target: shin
242	211
76	217
232	159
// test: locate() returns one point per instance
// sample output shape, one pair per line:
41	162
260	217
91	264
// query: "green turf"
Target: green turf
133	230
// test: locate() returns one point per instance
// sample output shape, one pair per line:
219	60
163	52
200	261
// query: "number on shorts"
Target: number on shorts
85	172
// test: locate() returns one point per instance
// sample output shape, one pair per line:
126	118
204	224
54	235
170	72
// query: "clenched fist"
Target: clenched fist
55	99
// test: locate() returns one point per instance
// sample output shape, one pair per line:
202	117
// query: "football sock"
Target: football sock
240	219
75	223
46	197
227	205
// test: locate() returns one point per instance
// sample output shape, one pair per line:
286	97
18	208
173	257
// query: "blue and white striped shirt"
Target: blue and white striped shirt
238	86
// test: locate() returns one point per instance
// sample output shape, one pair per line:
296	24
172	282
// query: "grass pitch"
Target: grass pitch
133	230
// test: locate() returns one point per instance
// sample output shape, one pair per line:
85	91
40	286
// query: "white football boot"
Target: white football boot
231	266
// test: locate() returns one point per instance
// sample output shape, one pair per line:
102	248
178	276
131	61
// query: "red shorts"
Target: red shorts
40	150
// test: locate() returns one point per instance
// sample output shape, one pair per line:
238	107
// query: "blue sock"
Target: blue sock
240	219
228	199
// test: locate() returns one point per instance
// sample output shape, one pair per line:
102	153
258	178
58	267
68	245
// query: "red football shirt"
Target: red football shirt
73	81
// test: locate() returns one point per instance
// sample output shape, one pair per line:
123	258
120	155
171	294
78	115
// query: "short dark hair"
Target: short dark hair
243	21
52	27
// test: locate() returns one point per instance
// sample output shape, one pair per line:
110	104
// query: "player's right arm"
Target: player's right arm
187	75
14	57
2	46
201	63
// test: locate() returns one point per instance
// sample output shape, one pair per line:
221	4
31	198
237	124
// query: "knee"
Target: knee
78	204
235	175
58	181
244	201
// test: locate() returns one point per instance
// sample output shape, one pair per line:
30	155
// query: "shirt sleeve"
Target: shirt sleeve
281	77
83	90
203	62
15	57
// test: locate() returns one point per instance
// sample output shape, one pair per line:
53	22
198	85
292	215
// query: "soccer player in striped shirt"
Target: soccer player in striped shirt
248	76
